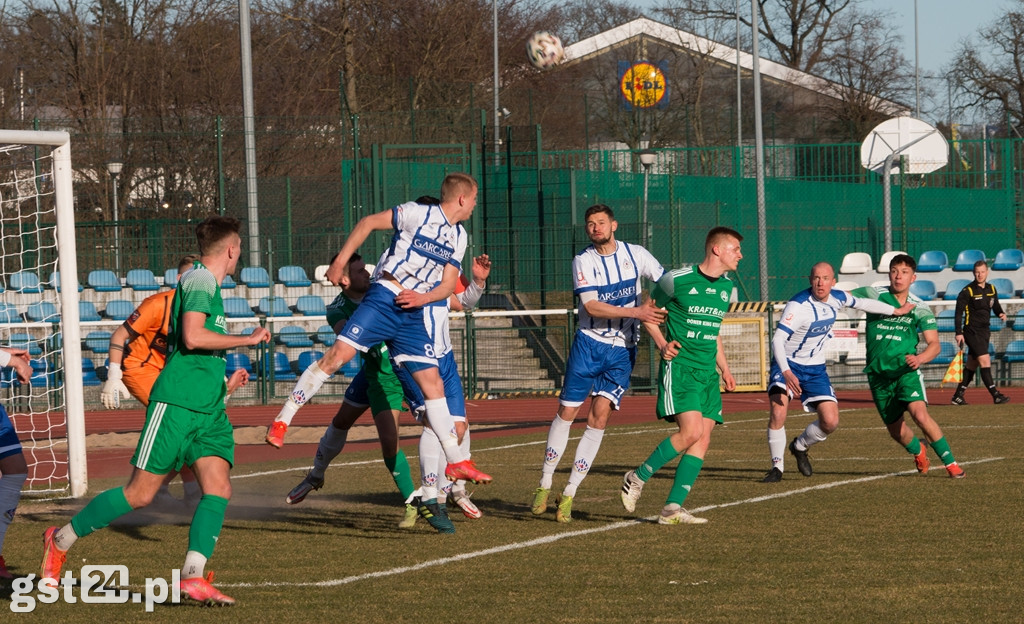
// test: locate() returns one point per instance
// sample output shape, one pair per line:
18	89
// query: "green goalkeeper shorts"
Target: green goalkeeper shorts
173	436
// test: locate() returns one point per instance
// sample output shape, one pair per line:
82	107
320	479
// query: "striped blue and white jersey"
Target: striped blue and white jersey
614	279
424	243
806	325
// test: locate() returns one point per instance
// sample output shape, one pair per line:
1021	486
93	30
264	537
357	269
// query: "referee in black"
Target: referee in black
974	306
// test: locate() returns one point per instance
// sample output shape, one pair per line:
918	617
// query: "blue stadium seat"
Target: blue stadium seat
54	282
953	288
292	275
255	277
924	290
25	282
119	309
171	277
325	334
294	336
1008	260
282	369
141	279
1017	320
44	373
228	283
237	307
25	341
87	311
1014	351
308	357
946	320
996	324
311	305
965	259
1004	287
946	353
274	306
98	341
351	368
236	361
89	376
42	312
103	280
932	261
9	313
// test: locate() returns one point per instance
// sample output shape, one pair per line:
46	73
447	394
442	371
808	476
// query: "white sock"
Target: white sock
443	484
811	436
459	487
309	384
586	453
430	459
443	425
777	447
331	444
558	439
10	494
65	537
195	565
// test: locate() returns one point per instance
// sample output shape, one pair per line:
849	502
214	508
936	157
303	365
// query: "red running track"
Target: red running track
503	416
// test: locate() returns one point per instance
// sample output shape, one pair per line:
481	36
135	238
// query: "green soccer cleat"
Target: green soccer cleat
436	515
409	521
540	501
564	513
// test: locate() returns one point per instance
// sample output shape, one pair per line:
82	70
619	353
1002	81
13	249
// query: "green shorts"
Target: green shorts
685	389
384	390
173	436
893	394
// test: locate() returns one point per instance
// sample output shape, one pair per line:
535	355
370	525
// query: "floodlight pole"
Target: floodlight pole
887	188
248	114
114	168
497	105
762	219
917	70
647	157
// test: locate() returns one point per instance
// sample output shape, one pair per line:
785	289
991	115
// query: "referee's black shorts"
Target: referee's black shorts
976	341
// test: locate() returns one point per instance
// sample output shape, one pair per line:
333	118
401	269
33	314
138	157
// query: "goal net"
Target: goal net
39	308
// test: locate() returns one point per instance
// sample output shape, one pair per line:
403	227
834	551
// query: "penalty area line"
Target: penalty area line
569	534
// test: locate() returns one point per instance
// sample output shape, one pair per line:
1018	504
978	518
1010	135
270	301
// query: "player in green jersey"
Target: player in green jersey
185	421
378	388
894	366
696	299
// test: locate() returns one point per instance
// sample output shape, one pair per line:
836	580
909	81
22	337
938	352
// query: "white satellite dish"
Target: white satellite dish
924	146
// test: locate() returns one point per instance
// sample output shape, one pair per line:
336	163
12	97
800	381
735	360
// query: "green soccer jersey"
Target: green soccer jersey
341	309
696	305
194	378
890	339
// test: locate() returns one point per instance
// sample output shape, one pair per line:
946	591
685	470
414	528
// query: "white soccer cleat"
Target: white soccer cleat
679	516
632	487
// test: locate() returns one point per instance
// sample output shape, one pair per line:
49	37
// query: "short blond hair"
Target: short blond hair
456	184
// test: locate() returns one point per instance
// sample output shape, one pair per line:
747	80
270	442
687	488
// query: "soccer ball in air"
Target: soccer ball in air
544	50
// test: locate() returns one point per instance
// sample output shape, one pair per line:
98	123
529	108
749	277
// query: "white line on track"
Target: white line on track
568	534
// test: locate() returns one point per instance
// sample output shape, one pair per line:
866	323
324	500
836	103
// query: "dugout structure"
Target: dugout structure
37	244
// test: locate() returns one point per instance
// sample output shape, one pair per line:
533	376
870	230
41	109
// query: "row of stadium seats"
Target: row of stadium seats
927	290
933	261
104	280
120	309
98	341
284	369
1014	352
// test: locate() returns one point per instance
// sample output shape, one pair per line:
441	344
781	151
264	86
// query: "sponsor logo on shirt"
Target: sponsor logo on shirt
432	249
693	291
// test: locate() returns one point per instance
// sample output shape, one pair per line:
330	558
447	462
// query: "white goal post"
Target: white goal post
37	232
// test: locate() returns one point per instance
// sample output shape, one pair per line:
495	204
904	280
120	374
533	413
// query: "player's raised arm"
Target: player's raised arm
196	336
383	220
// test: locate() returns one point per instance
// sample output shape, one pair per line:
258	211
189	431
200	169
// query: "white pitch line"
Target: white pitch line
568	534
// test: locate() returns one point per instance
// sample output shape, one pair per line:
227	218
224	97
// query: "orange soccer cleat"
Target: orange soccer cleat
275	434
200	590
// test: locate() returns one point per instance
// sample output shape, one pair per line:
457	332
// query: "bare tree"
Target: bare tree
989	73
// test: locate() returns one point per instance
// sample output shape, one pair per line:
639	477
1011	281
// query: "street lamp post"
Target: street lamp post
647	158
114	168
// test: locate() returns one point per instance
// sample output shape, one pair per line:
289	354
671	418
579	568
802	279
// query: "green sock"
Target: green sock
661	456
206	524
914	448
941	448
398	466
101	511
686	474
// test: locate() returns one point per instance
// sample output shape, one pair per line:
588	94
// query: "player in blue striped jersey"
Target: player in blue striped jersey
798	365
420	267
607	281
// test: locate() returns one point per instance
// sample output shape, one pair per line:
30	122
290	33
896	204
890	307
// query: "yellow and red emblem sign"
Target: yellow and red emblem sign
643	85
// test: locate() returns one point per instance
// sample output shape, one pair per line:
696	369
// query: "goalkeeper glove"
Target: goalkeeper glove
114	389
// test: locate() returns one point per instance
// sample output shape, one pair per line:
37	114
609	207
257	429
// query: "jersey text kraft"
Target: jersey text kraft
432	249
696	309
